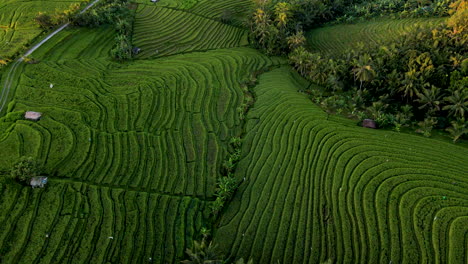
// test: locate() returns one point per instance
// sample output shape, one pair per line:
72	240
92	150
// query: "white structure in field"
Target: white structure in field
34	116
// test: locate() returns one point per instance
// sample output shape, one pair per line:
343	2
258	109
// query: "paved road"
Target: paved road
11	74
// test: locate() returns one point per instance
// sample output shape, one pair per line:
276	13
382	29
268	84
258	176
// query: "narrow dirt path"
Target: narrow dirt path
6	87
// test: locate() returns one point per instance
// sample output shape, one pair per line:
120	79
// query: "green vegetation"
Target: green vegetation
199	149
17	26
25	169
161	31
136	149
424	71
337	39
325	190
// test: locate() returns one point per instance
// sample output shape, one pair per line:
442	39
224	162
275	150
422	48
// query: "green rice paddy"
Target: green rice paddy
17	26
133	152
339	38
320	190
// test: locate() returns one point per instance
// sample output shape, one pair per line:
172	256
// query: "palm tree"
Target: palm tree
457	103
260	25
412	84
429	99
203	252
458	129
363	70
297	40
299	58
282	13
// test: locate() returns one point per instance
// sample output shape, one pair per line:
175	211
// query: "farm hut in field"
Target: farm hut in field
136	50
38	182
34	116
369	123
154	1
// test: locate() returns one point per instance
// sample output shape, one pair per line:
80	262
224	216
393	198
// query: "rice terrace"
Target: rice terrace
248	131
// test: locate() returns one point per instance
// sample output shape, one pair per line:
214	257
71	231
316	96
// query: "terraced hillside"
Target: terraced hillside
161	31
135	150
206	8
320	190
17	26
339	38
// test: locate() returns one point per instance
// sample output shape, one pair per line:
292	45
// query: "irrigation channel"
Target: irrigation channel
11	74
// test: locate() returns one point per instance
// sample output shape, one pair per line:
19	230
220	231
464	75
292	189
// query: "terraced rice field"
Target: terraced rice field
17	26
135	149
205	8
318	190
339	38
161	31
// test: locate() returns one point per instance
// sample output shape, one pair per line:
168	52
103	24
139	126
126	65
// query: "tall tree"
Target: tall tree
457	103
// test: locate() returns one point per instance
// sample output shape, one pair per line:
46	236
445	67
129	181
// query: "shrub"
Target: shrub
25	169
44	20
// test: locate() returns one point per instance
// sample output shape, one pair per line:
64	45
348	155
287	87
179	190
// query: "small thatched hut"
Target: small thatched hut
38	182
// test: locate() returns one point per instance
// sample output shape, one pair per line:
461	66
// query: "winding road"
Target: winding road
6	87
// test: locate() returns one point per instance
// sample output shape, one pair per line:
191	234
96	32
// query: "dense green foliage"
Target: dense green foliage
423	78
25	169
116	13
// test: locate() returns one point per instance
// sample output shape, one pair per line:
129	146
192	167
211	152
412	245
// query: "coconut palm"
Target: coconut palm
297	40
457	103
429	99
203	252
458	129
282	13
362	70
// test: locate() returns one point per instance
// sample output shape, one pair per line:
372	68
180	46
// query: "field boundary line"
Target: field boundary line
129	188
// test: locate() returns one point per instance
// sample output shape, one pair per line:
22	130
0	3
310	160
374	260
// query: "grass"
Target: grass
17	26
339	38
318	190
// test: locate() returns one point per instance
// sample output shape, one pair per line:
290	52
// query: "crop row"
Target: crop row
339	38
317	190
163	31
219	8
91	224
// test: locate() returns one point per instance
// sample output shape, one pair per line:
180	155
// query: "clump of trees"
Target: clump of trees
25	169
116	13
227	183
205	252
48	21
421	79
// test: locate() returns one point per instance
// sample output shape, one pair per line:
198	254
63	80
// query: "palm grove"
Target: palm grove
419	81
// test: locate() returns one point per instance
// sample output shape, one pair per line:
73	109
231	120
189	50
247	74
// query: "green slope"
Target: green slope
339	38
163	31
318	190
134	150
